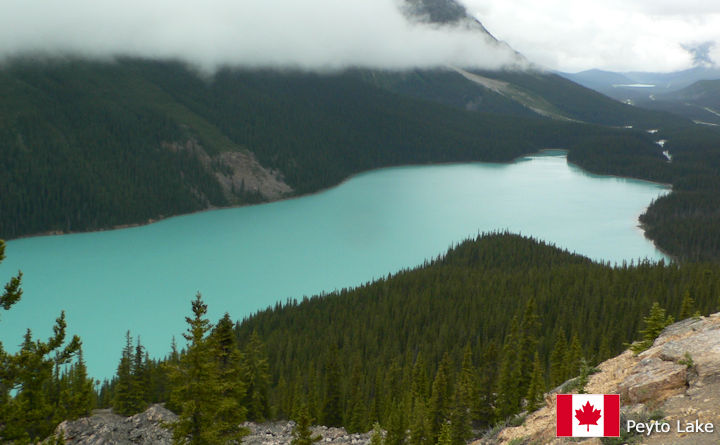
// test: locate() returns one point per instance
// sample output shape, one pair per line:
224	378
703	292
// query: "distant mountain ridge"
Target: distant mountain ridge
623	85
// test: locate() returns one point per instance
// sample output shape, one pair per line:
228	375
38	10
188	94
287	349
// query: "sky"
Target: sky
567	35
615	35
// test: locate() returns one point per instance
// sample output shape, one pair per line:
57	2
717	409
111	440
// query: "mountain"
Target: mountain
699	102
90	145
639	86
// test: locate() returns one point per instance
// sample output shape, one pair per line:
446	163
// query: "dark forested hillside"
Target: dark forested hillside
490	295
88	145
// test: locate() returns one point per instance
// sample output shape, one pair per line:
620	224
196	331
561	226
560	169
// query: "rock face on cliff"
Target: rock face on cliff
106	428
676	380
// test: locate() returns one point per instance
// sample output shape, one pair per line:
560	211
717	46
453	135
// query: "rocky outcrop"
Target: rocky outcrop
106	428
238	172
280	433
149	428
676	380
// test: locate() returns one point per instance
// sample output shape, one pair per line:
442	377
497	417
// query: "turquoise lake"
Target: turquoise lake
245	259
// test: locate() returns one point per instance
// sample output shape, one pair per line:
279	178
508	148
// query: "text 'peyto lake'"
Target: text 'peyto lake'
244	259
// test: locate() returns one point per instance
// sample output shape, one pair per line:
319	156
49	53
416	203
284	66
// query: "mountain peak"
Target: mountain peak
442	12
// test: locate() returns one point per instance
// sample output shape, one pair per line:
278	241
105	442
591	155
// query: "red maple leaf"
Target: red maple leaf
588	415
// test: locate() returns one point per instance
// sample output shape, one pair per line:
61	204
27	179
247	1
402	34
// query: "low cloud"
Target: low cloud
618	35
312	34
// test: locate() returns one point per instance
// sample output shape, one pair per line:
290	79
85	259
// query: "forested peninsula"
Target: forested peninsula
466	340
90	145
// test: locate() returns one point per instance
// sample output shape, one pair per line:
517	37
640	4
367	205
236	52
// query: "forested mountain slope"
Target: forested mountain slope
88	145
503	297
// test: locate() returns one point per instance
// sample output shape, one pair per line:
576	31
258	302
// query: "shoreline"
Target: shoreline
543	151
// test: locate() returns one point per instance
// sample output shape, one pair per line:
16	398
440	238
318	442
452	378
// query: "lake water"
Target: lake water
244	259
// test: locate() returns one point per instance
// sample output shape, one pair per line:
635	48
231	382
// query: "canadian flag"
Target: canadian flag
588	415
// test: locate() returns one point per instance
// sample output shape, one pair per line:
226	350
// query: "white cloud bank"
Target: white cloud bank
307	34
618	35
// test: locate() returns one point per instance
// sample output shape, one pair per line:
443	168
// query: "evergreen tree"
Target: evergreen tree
13	291
29	414
528	340
687	307
573	355
420	385
140	379
357	412
584	376
126	401
377	437
440	399
445	436
483	408
558	368
465	393
508	396
81	389
196	386
396	427
536	389
655	322
302	435
332	411
419	428
257	377
230	413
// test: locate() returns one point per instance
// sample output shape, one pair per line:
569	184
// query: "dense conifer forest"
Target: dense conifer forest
85	144
470	338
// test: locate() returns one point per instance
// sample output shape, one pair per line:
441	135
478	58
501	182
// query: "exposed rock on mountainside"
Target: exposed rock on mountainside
238	172
106	428
677	379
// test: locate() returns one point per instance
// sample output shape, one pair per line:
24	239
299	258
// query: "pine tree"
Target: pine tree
440	399
230	413
687	307
196	386
420	385
445	436
13	291
377	437
465	393
257	376
536	389
124	401
357	412
528	340
140	379
302	435
483	407
508	396
82	393
332	411
573	355
655	322
396	424
419	428
558	368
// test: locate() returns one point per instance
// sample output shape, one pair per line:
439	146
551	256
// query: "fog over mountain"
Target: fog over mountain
313	34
